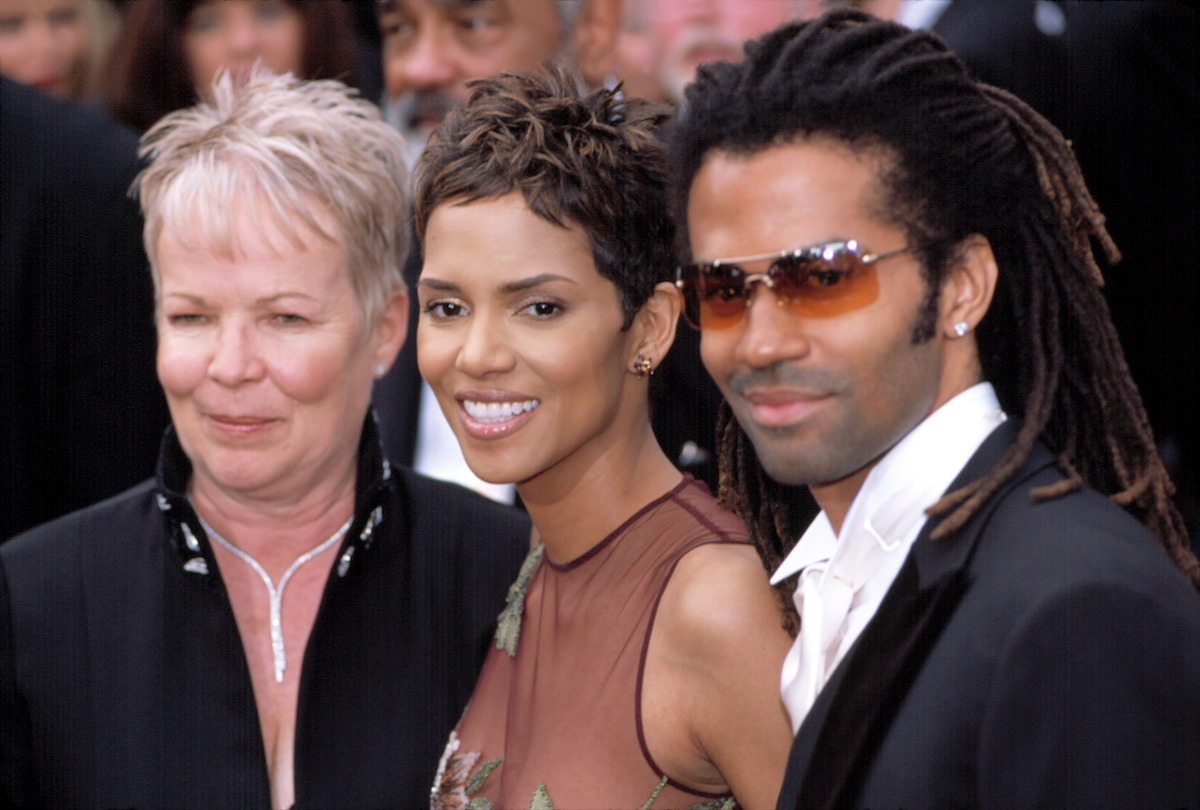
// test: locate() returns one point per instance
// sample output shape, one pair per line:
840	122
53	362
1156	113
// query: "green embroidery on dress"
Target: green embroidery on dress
654	795
541	799
509	627
727	803
480	803
480	776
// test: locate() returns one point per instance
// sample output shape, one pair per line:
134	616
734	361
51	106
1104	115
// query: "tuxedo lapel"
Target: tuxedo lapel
836	741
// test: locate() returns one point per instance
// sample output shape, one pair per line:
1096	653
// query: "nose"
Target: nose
771	332
235	359
41	40
428	64
484	349
243	39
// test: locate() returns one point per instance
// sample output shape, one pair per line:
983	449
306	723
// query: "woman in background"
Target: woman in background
170	50
638	660
57	46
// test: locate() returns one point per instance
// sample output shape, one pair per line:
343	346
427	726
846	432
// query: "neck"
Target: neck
835	497
577	506
273	533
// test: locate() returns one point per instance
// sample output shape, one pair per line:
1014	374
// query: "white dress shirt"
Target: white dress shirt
843	577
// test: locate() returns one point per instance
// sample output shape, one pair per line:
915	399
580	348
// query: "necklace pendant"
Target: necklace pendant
274	594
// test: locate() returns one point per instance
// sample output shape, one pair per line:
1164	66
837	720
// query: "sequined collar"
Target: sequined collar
189	542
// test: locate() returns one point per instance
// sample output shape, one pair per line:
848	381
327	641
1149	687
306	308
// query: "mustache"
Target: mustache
421	105
783	375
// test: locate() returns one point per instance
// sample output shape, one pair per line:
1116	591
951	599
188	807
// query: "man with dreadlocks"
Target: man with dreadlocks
893	279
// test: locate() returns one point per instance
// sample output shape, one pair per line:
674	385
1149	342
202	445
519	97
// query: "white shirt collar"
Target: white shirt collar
920	468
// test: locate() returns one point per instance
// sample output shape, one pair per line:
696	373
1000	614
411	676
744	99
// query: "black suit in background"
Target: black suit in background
81	411
1120	82
1045	655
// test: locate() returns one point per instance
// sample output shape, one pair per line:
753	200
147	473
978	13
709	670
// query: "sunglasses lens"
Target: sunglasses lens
828	285
722	296
714	297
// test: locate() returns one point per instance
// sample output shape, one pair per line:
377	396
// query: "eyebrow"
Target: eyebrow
512	287
270	299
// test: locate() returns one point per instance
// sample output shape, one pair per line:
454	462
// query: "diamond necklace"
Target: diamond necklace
276	594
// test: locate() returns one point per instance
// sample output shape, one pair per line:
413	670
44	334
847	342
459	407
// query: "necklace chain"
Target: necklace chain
276	594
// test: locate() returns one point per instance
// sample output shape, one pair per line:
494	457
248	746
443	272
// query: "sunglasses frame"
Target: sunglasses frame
826	250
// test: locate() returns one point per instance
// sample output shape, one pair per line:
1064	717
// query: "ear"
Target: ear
653	328
391	329
594	38
968	288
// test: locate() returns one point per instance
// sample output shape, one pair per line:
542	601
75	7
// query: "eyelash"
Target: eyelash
195	318
556	309
437	309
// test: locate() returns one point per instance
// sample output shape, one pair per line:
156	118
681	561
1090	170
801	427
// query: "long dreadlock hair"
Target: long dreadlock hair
961	158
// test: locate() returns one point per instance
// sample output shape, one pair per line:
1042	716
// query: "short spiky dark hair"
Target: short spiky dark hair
580	159
959	158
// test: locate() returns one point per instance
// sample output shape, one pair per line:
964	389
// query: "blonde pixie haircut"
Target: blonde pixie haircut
311	149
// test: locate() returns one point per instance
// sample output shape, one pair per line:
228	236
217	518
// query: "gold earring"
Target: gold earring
642	366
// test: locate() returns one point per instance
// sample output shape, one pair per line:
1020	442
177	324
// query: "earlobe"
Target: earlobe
968	288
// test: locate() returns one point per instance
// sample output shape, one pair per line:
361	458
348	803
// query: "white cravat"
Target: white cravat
843	578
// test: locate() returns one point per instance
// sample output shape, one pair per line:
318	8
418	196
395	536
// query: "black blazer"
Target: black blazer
1046	655
123	681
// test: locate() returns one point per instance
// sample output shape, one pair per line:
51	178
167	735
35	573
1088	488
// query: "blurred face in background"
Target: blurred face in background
42	43
234	34
677	36
431	48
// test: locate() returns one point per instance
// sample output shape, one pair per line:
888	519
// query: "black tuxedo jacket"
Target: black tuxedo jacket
1045	655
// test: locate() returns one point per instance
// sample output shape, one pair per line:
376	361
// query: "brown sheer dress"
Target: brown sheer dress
557	723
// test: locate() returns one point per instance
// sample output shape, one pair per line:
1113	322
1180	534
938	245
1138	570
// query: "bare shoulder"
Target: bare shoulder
719	598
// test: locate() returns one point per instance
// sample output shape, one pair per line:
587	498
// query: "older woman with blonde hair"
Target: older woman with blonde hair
280	617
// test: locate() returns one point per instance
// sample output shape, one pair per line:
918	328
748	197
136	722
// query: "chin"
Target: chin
493	471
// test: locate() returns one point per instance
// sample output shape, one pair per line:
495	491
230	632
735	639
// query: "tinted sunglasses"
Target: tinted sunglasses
815	282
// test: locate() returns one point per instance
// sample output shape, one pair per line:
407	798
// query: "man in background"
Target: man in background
662	42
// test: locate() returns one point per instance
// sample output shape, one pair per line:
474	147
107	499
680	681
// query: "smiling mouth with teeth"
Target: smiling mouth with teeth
497	411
